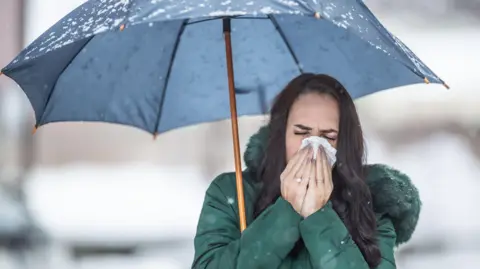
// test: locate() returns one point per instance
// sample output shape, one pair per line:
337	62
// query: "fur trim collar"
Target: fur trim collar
393	193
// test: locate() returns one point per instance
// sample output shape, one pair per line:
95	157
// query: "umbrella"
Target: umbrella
163	64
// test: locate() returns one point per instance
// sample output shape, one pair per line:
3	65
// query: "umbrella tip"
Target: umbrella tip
34	130
122	27
426	80
155	136
446	86
317	15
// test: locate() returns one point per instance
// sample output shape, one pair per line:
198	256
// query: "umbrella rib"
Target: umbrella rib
391	37
284	38
169	71
49	96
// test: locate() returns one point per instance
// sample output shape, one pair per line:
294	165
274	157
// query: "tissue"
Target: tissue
315	142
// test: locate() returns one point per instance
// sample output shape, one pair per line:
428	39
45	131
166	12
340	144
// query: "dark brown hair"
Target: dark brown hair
351	196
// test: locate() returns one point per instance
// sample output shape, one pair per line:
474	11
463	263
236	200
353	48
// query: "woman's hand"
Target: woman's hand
320	186
295	177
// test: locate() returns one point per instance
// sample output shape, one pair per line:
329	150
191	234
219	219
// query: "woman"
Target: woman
302	213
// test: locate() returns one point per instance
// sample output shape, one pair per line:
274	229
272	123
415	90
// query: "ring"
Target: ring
299	179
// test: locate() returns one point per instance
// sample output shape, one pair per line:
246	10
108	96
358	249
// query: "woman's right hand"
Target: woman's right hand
294	179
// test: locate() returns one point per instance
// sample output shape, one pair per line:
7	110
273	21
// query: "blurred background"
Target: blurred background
80	195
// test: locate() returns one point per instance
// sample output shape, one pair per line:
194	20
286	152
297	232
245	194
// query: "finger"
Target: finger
318	168
305	172
295	164
312	170
325	169
296	157
304	184
312	187
327	176
301	189
298	168
295	178
327	162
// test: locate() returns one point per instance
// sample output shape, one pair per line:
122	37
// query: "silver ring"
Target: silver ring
298	179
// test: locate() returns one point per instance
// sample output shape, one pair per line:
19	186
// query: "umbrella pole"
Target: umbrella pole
233	115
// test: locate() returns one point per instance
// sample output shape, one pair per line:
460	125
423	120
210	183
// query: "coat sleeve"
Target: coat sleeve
330	245
264	244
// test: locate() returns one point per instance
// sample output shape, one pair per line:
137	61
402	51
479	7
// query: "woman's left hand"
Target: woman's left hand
320	186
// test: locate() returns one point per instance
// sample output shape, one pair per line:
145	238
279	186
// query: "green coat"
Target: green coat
269	239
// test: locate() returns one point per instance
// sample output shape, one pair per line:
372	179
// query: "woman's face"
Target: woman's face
312	114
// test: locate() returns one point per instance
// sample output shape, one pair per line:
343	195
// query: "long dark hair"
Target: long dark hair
351	196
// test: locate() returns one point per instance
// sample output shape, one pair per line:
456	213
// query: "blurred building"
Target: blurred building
15	113
11	29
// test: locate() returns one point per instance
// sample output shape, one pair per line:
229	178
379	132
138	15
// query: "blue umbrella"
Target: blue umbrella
163	64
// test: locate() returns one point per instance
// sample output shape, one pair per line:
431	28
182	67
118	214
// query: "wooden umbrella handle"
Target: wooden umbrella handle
234	118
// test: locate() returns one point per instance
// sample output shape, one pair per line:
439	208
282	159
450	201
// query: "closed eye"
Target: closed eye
330	138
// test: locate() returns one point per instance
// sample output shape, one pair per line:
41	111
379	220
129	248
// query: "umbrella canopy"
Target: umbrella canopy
159	65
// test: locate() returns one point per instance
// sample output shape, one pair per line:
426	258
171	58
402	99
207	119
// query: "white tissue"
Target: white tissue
315	142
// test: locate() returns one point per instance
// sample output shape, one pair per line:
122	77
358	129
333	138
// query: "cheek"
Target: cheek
333	143
292	144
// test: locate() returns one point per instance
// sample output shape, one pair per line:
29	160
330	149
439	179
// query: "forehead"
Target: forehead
316	111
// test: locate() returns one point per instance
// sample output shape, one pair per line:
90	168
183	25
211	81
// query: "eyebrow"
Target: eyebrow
303	127
306	128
